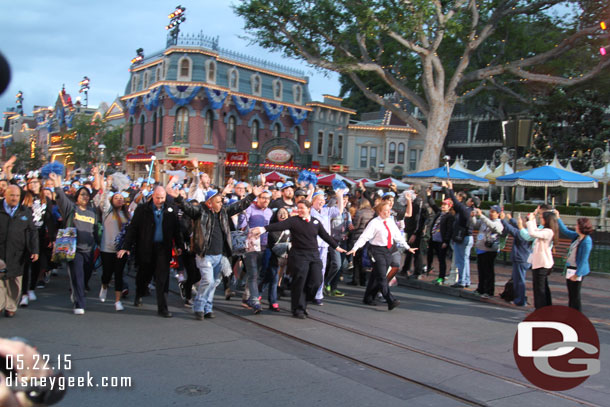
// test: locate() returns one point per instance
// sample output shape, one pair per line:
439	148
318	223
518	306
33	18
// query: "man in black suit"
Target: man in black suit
153	229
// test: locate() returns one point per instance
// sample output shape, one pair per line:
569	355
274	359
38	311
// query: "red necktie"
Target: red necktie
389	234
306	220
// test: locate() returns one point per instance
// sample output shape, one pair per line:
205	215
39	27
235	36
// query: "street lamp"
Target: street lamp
175	19
84	88
307	145
381	167
254	159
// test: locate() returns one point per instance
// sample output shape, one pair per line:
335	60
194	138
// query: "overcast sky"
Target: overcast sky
50	43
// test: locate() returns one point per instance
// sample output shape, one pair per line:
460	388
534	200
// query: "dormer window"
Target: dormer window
233	79
297	93
256	83
277	89
184	69
210	68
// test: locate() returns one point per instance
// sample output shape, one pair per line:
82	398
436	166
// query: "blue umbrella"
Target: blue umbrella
547	176
440	175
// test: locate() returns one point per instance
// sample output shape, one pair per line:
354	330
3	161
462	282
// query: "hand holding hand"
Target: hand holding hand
412	250
340	250
34	258
350	253
122	253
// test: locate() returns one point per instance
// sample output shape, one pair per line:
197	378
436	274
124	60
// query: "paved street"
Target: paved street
435	350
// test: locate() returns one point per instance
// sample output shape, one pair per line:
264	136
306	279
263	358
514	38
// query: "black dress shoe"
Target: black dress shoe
393	305
209	315
199	316
457	286
299	315
165	314
138	302
9	314
373	303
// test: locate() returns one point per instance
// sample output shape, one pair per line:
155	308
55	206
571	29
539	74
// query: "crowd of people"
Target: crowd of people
276	237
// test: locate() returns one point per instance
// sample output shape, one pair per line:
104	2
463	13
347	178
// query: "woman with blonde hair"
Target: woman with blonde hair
542	255
381	233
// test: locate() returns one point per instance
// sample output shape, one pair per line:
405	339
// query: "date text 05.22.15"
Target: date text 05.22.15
40	362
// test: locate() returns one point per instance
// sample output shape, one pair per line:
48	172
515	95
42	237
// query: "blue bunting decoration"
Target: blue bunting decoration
216	97
70	121
182	95
243	105
55	167
273	110
338	184
298	115
308	177
132	104
151	100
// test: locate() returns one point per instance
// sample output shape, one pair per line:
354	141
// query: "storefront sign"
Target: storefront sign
140	149
55	140
237	157
175	151
279	156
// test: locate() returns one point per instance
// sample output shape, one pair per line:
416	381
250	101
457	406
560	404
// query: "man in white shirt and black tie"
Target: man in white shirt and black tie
380	233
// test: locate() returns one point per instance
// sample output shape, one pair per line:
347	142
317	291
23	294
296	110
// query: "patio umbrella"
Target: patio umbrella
440	175
385	183
327	180
546	177
459	165
275	176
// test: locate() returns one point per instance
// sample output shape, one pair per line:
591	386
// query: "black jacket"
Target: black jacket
18	239
141	232
415	224
205	215
446	222
463	212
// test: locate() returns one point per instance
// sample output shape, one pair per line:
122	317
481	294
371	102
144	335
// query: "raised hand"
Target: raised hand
257	190
56	179
229	187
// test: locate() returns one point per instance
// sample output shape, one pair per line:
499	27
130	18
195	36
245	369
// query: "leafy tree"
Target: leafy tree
85	138
25	162
434	54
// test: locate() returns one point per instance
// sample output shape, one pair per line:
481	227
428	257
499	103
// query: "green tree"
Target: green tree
434	53
85	138
25	161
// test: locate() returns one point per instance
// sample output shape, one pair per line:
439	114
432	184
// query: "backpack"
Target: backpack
508	294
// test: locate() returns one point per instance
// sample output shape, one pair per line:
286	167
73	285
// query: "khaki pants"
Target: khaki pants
10	290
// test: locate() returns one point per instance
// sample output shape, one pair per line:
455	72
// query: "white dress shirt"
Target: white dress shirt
376	234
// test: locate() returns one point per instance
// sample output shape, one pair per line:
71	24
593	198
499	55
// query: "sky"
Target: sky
52	43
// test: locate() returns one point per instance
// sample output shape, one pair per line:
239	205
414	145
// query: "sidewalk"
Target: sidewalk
595	291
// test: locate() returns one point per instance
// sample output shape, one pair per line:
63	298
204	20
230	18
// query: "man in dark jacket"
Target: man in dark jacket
212	242
153	229
440	235
18	238
414	229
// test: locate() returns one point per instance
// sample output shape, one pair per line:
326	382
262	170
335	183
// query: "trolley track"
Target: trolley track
403	347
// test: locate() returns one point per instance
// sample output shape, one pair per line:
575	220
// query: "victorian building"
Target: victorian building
235	114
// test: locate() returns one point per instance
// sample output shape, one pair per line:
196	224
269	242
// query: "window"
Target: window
401	153
412	160
209	126
254	130
158	73
392	153
331	140
331	116
160	127
145	80
154	135
297	93
373	157
165	66
277	89
297	133
320	142
142	122
276	130
181	130
233	79
184	72
134	82
231	132
130	132
340	146
363	156
211	71
255	81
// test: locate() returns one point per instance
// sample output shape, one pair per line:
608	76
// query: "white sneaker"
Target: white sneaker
25	300
32	295
151	287
118	306
103	292
79	311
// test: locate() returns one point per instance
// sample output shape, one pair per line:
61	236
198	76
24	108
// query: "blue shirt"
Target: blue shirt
158	225
9	210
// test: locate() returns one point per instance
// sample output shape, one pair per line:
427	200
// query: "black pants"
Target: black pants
80	268
305	268
158	267
441	254
416	257
542	294
359	277
31	271
192	273
382	257
112	265
574	294
487	276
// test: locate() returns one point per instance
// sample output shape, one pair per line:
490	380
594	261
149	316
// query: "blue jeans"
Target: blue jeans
271	277
519	270
254	263
323	257
462	259
210	268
